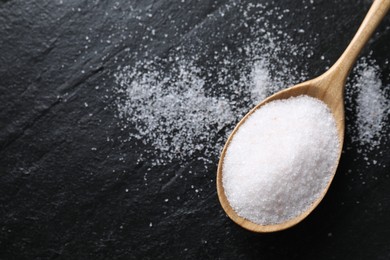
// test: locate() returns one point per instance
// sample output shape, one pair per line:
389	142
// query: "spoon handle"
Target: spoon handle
377	12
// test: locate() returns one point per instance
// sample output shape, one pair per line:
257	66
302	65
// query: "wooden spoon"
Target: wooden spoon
329	87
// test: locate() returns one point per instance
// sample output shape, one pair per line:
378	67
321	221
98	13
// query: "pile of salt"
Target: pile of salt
280	160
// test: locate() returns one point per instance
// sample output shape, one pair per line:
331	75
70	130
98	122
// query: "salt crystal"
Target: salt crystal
280	160
373	109
149	96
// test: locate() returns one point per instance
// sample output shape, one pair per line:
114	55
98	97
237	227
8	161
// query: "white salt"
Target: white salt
366	96
373	108
181	106
280	160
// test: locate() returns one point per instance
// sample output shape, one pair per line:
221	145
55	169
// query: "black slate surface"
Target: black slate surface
60	199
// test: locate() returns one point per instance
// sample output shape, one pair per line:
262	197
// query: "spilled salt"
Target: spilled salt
373	108
182	106
280	160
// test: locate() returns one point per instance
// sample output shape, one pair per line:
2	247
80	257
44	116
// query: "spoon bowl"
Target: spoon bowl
329	88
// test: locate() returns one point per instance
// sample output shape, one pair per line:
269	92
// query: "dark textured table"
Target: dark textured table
72	188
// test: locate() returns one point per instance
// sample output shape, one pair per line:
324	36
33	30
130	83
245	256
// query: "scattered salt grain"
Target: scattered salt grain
373	107
366	96
178	117
154	96
280	160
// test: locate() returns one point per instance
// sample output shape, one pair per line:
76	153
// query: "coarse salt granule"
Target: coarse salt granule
280	160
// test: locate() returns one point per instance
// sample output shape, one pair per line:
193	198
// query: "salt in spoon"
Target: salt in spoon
329	87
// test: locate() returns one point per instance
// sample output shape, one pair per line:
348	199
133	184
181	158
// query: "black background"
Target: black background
61	200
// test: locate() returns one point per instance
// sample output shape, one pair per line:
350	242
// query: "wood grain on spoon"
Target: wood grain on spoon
329	87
